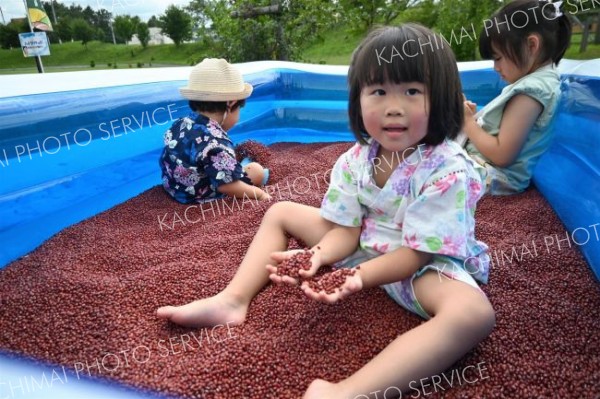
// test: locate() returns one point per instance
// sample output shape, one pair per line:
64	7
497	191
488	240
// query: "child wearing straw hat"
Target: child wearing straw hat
198	161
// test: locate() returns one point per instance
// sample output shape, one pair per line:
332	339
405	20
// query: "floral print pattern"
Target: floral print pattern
198	157
222	161
427	204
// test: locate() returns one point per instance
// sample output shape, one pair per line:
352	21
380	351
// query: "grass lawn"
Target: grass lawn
335	49
592	51
102	54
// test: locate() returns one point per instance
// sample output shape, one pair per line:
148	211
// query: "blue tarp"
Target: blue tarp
66	156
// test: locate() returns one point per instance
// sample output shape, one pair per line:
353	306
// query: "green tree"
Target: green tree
102	20
198	9
461	21
153	22
363	14
75	12
60	9
82	31
143	34
177	24
63	29
246	30
99	34
125	26
9	34
305	22
424	12
89	15
99	20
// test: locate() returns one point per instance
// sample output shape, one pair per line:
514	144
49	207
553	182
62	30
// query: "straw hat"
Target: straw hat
215	80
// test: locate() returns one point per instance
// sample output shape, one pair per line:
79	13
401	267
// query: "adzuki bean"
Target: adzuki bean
93	288
292	266
331	281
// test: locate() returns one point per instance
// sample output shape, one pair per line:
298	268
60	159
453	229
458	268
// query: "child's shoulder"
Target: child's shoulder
540	83
544	87
184	122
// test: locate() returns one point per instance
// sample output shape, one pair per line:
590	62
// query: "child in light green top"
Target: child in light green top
509	135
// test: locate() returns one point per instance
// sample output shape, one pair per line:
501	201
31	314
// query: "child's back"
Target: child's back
543	85
198	162
510	134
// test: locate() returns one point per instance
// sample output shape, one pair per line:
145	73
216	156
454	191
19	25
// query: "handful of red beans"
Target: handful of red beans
327	283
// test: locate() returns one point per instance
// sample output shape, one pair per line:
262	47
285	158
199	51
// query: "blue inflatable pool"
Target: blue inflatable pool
75	144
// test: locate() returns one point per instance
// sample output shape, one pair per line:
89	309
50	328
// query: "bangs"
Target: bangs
497	41
394	55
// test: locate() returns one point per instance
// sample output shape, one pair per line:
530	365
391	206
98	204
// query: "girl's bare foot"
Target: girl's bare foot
219	309
321	389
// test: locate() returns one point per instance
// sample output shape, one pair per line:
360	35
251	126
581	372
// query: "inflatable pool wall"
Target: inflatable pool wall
77	143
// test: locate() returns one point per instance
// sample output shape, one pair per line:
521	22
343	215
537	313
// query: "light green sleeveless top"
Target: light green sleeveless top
543	85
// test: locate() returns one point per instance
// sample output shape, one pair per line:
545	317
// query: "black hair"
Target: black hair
508	29
214	106
409	53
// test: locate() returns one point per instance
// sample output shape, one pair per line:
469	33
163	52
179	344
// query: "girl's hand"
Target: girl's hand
470	108
264	196
353	283
279	257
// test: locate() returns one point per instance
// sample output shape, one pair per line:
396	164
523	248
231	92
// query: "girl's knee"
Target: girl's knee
475	313
278	210
483	314
460	302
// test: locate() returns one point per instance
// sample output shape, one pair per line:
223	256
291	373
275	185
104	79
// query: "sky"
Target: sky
143	8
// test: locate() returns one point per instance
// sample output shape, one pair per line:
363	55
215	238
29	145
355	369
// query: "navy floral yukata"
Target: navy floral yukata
198	158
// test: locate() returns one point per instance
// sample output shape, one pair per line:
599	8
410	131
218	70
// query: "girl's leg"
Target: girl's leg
231	304
462	318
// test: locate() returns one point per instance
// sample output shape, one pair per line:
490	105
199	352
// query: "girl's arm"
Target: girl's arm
337	244
393	266
239	189
518	118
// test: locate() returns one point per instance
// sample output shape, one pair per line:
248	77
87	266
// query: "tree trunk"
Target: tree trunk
255	12
597	36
